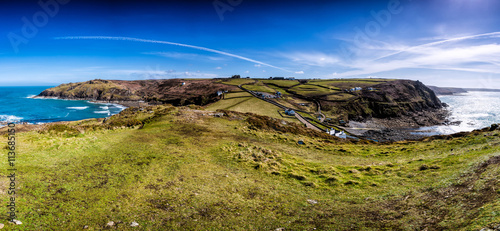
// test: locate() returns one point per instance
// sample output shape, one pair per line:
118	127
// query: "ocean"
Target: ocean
17	105
474	109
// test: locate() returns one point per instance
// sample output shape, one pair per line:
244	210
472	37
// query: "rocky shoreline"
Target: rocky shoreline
124	103
399	128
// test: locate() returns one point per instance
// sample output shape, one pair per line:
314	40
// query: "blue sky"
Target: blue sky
445	43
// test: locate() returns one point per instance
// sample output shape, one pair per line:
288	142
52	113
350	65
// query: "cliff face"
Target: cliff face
389	100
173	91
398	98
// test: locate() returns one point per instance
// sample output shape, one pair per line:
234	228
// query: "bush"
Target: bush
63	129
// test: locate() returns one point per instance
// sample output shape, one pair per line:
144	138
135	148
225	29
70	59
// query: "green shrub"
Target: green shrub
63	129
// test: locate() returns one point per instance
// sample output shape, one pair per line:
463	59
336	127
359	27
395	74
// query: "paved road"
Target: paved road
308	125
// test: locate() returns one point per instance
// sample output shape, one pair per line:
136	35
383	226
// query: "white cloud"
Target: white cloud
170	43
481	59
218	68
312	59
149	73
299	72
257	65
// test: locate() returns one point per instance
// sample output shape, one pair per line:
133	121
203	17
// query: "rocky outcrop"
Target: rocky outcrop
173	91
393	99
397	98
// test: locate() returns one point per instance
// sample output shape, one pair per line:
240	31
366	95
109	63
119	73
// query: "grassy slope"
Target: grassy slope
260	88
185	171
237	82
282	83
244	102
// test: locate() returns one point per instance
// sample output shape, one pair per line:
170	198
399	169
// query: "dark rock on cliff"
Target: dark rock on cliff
397	98
393	99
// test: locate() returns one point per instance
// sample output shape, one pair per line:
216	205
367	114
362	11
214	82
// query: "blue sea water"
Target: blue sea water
16	105
474	109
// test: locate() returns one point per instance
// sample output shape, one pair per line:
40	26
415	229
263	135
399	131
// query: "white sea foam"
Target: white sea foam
121	107
104	107
77	108
10	118
102	112
475	110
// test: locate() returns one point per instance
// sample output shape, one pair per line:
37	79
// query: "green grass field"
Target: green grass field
182	169
259	88
340	84
310	90
244	102
340	97
282	83
237	82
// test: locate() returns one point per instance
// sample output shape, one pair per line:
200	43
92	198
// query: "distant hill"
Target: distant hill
447	90
482	89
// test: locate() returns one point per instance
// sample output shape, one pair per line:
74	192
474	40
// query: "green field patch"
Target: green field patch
342	84
282	83
236	82
340	97
311	90
259	87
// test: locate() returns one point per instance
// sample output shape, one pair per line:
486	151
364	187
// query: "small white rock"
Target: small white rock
17	222
313	202
134	224
111	223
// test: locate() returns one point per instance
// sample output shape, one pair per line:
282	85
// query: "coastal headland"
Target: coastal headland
381	109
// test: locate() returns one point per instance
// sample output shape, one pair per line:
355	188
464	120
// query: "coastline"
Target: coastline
119	104
123	103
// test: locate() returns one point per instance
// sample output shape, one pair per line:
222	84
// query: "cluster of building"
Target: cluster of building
290	112
333	132
221	92
266	95
358	89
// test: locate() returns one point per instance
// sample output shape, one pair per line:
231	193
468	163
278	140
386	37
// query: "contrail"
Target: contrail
171	43
440	42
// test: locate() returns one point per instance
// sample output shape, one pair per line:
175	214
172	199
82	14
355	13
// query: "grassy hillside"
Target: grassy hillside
173	168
